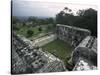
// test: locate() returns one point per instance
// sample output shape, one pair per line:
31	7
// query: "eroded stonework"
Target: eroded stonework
71	34
28	57
85	46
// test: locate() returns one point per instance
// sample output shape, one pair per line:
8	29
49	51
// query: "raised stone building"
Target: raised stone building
29	59
86	52
71	34
84	55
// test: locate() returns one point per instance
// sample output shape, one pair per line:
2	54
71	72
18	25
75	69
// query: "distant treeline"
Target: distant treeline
33	20
83	19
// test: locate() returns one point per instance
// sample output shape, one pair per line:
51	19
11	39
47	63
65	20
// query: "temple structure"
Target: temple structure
27	57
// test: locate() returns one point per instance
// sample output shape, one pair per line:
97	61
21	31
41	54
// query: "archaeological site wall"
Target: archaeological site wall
71	34
84	55
85	50
28	59
44	40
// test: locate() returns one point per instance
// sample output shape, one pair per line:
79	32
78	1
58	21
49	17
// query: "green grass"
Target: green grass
23	30
59	48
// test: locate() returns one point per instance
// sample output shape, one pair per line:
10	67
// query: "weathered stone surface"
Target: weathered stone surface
71	34
31	59
85	50
84	44
44	40
27	57
83	64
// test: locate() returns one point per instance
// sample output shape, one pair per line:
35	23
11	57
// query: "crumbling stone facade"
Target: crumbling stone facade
85	46
71	34
87	51
32	59
29	58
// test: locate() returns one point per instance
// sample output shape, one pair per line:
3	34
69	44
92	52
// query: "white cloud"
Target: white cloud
35	8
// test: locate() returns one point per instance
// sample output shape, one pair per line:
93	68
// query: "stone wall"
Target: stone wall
70	34
44	40
28	59
18	64
86	50
84	64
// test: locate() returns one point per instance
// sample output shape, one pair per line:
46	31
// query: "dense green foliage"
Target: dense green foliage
39	21
40	29
32	31
88	20
84	19
29	33
33	26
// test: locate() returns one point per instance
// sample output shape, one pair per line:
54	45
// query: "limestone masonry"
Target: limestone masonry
28	56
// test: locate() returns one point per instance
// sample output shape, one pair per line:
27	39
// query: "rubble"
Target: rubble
28	58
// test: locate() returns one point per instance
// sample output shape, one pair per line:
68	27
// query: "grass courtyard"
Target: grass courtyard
59	48
22	30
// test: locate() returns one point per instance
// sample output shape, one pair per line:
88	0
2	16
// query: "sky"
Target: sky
44	9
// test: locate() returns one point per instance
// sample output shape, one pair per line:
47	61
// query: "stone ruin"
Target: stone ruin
85	46
71	34
27	58
86	52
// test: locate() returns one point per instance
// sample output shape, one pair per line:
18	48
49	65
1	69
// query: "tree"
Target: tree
80	12
29	33
40	29
60	18
65	17
88	19
50	20
67	9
